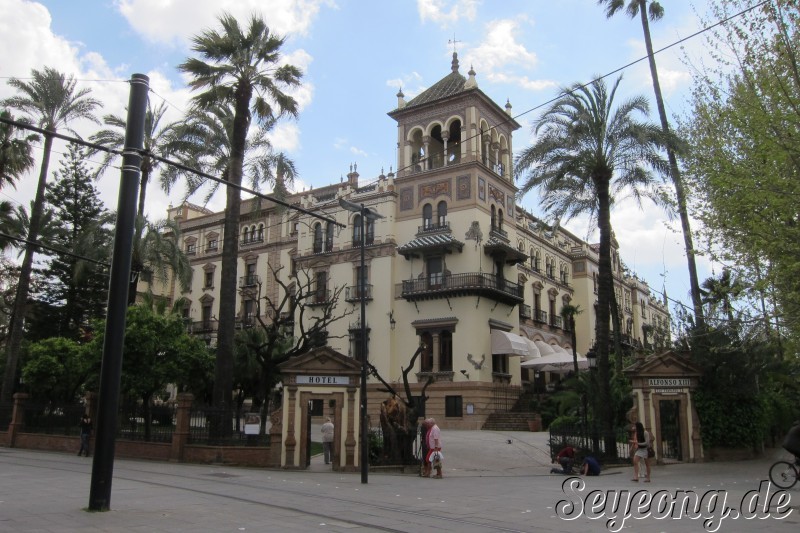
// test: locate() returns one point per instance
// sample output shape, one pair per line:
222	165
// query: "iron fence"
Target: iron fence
6	410
504	397
154	423
410	455
202	431
608	447
52	419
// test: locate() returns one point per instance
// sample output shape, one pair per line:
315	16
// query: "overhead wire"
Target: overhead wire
176	164
258	194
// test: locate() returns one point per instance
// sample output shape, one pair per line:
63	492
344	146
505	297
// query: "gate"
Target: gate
669	413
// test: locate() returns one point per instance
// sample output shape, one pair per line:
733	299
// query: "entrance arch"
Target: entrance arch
662	401
321	374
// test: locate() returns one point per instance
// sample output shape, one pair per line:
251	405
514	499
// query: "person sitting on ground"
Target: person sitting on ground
590	466
565	458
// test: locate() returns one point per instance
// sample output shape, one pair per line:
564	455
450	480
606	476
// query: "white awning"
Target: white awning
544	348
533	351
508	343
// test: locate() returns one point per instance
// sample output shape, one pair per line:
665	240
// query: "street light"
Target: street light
366	213
591	357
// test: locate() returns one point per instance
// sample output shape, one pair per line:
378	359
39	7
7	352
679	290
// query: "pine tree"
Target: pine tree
79	285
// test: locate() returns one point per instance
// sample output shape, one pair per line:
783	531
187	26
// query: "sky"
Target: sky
355	55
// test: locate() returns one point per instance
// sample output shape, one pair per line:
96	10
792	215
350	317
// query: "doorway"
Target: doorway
318	407
670	430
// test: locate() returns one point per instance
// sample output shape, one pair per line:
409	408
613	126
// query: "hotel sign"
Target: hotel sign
669	382
323	380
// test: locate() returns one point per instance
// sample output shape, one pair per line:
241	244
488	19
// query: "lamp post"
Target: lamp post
366	213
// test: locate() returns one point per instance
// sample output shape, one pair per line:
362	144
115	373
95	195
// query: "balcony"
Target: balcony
540	316
249	281
525	311
556	321
212	248
494	230
191	250
465	284
204	326
251	241
369	242
353	294
433	228
320	297
248	321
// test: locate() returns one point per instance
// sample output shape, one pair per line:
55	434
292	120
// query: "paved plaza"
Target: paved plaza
494	481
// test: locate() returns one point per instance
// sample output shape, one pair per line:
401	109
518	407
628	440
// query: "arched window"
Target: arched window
246	235
370	231
500	219
427	216
317	238
493	223
441	214
329	237
260	234
357	230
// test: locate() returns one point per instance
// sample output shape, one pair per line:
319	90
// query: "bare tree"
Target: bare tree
294	322
399	415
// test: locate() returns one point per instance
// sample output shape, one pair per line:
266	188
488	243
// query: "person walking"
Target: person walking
642	441
86	432
327	440
423	448
435	447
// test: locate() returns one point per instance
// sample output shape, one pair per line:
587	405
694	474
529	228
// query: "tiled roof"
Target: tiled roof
451	84
430	242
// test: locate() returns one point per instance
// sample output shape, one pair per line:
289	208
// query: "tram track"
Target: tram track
236	480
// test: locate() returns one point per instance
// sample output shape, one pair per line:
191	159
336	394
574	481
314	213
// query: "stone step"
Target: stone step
510	421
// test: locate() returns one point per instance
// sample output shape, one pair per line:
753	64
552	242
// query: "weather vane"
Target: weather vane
453	41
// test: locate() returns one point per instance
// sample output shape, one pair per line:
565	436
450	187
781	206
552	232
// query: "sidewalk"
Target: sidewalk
490	484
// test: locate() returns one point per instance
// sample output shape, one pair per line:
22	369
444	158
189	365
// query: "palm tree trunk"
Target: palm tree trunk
677	180
615	319
23	285
604	294
223	382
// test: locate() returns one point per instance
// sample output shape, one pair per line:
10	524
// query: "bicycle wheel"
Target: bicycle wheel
783	474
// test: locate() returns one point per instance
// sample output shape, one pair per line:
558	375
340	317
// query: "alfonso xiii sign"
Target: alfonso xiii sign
669	382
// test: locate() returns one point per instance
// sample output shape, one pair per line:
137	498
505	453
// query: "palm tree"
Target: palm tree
204	141
718	292
15	152
656	12
239	67
587	154
51	101
156	141
156	247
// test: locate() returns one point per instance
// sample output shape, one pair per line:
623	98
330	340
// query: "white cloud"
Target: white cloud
410	84
285	137
176	21
444	13
358	151
501	48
